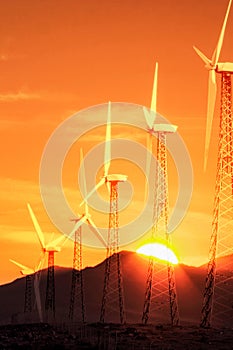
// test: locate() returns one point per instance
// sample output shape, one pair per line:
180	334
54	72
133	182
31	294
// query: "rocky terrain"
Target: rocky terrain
112	337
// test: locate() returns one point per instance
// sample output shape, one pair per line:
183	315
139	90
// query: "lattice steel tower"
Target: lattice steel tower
218	295
28	272
50	288
28	294
77	307
160	293
112	301
51	248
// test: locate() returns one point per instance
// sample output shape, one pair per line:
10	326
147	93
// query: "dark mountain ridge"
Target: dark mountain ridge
190	282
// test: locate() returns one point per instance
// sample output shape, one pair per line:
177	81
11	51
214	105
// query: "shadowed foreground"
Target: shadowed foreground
110	336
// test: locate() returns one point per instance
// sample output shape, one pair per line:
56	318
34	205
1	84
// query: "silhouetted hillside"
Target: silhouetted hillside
190	286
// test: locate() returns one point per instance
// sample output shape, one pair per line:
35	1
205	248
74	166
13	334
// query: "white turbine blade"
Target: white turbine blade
37	227
51	239
83	179
102	181
40	264
150	117
202	56
36	285
153	105
58	241
217	51
107	155
38	298
212	90
96	231
23	267
78	223
38	269
37	295
108	187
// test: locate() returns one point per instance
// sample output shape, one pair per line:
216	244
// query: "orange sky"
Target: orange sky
59	57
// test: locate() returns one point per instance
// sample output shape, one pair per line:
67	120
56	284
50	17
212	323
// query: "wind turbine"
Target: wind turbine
150	117
86	216
213	66
156	284
217	303
112	291
77	294
51	248
30	273
108	179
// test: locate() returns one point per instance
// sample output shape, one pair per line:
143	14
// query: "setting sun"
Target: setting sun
158	251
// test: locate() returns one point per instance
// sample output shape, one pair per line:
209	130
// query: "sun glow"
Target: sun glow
158	251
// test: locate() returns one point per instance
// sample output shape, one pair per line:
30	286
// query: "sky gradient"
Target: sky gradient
58	58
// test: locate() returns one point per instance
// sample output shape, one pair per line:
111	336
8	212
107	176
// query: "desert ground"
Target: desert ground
158	334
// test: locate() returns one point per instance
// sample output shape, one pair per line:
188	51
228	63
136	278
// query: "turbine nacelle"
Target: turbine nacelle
82	217
52	249
54	245
214	67
218	67
165	128
86	216
26	271
106	178
116	178
225	67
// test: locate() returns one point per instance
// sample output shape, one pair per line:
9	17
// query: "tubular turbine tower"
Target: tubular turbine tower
160	284
218	296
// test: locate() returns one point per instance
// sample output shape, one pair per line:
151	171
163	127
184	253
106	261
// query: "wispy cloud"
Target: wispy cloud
16	234
19	96
24	94
14	190
11	233
136	135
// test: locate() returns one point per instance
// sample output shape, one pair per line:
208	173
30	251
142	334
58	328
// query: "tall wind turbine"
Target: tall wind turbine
51	248
28	300
112	291
150	117
77	307
160	283
225	69
217	303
